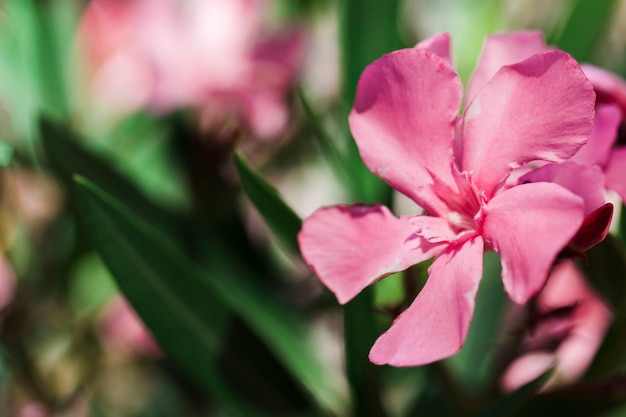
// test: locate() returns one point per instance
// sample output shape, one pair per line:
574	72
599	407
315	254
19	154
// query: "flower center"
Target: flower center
460	222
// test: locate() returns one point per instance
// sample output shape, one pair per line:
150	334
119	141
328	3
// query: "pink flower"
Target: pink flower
122	331
606	144
406	122
569	323
207	54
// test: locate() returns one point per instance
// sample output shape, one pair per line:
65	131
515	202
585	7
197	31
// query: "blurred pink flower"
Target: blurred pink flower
122	332
568	324
207	54
519	108
33	409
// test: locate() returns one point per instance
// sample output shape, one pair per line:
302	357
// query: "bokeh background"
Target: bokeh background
164	153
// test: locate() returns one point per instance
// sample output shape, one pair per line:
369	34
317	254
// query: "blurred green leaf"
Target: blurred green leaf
6	154
39	32
185	307
67	157
584	27
333	153
359	336
368	29
183	314
281	219
141	146
511	404
606	272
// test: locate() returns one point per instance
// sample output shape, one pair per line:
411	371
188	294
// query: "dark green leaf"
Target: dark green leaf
186	307
359	336
67	157
184	314
281	219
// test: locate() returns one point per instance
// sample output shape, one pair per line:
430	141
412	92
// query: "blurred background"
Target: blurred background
157	159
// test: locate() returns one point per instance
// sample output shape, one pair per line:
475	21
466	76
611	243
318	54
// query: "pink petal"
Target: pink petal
285	49
539	109
610	88
403	121
435	325
350	247
590	321
528	225
439	45
586	181
525	369
596	151
615	172
500	50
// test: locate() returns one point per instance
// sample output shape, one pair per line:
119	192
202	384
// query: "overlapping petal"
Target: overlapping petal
609	87
586	181
403	122
538	109
435	325
500	50
615	172
528	225
596	151
439	45
350	247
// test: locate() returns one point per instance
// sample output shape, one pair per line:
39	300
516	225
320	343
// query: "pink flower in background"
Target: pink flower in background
207	54
606	147
122	332
569	323
519	108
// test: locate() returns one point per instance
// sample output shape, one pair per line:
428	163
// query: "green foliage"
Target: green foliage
281	219
186	309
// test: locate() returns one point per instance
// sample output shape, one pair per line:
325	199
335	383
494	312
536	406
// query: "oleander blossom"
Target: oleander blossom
568	323
519	108
212	55
607	144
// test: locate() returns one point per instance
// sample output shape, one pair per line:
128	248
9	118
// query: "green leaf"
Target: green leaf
186	308
474	361
67	157
6	154
359	336
369	29
605	271
281	219
584	27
